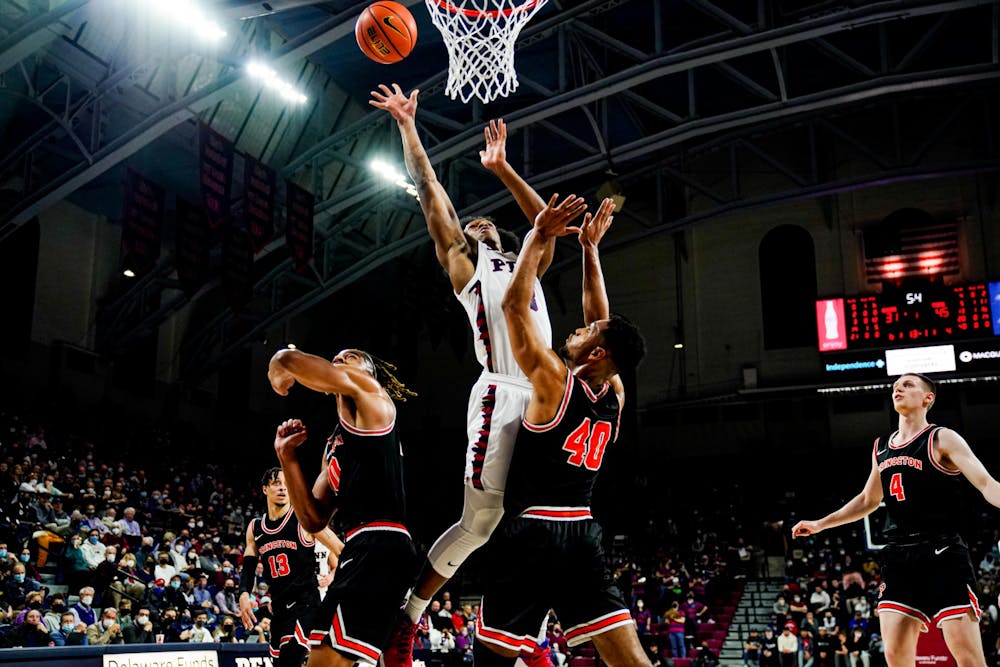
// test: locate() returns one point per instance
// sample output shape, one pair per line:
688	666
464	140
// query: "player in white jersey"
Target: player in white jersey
479	270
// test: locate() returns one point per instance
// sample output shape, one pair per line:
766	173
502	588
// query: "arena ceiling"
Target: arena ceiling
667	97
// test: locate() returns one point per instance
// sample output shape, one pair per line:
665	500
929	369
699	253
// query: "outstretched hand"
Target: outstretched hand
393	100
553	219
804	528
290	434
594	226
495	154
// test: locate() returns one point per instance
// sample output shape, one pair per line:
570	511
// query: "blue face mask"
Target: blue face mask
19	578
25	558
3	553
94	539
67	627
175	584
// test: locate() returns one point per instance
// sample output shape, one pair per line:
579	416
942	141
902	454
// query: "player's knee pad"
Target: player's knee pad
480	515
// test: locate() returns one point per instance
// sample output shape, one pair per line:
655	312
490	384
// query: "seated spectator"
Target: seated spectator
69	633
805	648
164	567
261	633
751	649
819	600
226	601
7	559
32	600
74	567
53	616
226	632
82	611
201	594
30	571
106	630
105	573
780	609
830	623
129	580
129	526
705	657
797	609
140	631
170	627
769	649
208	561
93	550
94	523
857	648
16	588
809	623
823	649
174	596
788	647
31	633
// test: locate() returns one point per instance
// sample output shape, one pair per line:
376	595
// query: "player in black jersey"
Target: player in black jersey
362	482
547	551
927	575
278	540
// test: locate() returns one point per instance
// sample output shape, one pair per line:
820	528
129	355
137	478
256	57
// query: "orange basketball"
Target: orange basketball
386	32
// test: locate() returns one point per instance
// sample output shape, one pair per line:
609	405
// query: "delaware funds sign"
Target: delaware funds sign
162	658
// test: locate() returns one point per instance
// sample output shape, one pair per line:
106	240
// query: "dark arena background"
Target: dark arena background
808	206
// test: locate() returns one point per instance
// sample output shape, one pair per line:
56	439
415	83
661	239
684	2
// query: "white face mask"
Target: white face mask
87	599
108	622
111	558
141	620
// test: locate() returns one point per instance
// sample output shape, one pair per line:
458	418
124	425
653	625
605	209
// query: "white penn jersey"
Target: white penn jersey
482	297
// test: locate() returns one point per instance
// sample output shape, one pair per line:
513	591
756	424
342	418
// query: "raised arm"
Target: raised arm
856	508
450	243
312	509
290	366
542	366
956	453
595	294
494	158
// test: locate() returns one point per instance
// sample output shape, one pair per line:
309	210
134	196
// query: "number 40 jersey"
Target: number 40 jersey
554	465
287	553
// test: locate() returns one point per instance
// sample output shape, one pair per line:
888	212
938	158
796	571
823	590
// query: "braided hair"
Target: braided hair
385	373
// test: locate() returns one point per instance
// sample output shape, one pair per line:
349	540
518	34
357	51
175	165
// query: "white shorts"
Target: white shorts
496	405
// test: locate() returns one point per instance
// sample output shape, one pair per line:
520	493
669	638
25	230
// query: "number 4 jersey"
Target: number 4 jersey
287	553
554	465
920	494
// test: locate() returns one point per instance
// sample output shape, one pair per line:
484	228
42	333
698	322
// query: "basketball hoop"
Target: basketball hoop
480	36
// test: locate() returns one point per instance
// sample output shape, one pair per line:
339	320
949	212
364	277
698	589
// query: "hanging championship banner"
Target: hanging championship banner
259	183
237	268
142	224
216	176
193	245
299	224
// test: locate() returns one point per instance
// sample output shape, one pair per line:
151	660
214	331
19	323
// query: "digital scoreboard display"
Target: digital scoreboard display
909	317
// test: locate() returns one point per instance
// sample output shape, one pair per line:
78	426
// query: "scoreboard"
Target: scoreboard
928	328
915	316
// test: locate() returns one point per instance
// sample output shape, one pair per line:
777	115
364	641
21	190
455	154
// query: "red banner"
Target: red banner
193	245
237	268
216	176
259	185
142	224
299	224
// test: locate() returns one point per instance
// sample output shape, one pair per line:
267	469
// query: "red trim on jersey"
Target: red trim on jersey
598	626
369	432
482	322
590	392
541	428
934	461
333	472
488	403
339	639
263	524
285	639
501	638
974	601
875	448
905	610
300	636
274	654
305	541
377	525
558	513
904	444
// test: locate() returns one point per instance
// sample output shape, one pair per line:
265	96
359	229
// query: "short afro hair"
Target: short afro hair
624	343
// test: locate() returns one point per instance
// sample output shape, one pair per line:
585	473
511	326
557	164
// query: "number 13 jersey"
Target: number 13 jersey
921	495
554	465
287	553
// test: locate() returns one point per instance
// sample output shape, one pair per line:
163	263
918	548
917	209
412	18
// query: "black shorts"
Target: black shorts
929	581
291	623
376	568
537	564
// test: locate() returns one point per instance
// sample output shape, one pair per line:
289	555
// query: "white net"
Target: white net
480	36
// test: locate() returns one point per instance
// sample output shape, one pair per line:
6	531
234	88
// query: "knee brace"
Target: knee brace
481	512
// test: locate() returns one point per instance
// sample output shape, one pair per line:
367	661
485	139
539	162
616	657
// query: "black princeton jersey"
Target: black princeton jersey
920	494
365	469
556	464
287	554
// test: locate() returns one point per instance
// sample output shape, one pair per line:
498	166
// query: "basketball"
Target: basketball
386	32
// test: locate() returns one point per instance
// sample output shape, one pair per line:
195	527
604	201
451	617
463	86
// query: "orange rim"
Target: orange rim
494	13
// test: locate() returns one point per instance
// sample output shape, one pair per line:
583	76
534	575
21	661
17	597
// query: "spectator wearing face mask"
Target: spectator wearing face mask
93	549
130	527
226	632
208	561
33	600
74	566
82	611
227	571
7	560
69	632
53	615
226	601
169	626
141	629
129	579
164	567
200	631
173	596
106	630
31	633
106	572
17	587
30	571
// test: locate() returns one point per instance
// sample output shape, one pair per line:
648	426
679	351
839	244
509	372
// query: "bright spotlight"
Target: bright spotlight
128	273
189	15
391	173
270	79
